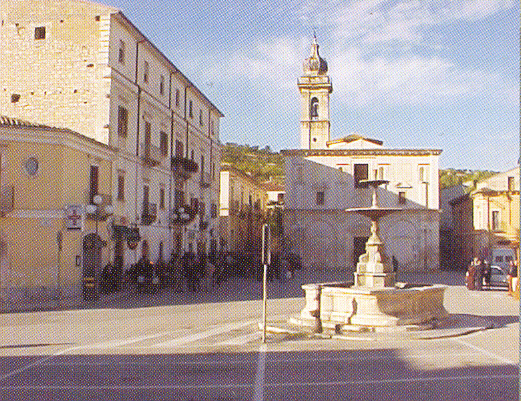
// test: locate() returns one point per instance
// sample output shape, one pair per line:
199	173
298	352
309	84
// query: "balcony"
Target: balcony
150	154
103	210
6	199
183	167
206	180
149	214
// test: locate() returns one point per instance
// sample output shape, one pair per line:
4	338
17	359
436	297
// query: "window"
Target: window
179	148
162	85
122	121
163	143
313	112
145	72
320	198
213	211
177	98
93	191
179	198
361	173
15	98
121	52
510	184
146	199
401	198
161	198
381	174
121	187
200	117
39	32
496	226
190	112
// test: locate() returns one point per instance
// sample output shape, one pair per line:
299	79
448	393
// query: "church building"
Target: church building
324	177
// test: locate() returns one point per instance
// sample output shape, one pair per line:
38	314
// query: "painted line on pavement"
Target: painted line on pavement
242	340
283	384
258	393
485	352
176	342
131	340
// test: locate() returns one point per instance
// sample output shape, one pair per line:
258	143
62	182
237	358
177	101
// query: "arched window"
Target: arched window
314	108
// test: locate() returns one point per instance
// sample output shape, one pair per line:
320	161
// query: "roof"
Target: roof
360	152
6	121
352	138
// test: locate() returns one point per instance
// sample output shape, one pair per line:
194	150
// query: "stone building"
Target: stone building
323	178
84	66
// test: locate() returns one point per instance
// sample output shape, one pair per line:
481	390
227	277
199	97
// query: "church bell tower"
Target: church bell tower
315	87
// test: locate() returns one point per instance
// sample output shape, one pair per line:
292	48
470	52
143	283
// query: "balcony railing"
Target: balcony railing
6	199
206	180
150	154
183	167
149	214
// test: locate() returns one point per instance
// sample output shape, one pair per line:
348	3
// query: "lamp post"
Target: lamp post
99	212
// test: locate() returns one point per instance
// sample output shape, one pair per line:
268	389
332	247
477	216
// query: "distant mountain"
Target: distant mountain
450	177
262	164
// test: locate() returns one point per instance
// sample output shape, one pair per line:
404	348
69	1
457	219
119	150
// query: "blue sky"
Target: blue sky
415	74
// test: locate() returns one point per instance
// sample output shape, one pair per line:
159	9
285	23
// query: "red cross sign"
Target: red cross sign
74	217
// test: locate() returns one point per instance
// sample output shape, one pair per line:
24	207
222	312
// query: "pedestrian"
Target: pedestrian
512	272
177	273
478	277
471	273
487	272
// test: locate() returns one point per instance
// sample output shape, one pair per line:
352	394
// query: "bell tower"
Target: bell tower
315	87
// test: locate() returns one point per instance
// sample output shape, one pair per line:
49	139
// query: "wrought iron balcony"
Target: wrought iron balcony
150	154
6	199
183	167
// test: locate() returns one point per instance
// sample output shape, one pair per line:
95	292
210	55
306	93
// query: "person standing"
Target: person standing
471	273
479	274
512	272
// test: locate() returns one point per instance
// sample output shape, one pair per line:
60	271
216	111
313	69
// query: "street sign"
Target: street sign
73	217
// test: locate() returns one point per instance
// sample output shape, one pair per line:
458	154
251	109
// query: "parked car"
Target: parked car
498	277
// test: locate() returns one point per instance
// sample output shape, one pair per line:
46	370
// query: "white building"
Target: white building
323	179
84	66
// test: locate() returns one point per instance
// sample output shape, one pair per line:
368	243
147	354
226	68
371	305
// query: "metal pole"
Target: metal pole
266	261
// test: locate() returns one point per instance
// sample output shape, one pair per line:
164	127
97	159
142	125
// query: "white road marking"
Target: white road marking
485	352
242	340
258	393
282	384
131	340
176	342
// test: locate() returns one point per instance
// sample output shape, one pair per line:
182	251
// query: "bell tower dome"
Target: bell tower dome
315	87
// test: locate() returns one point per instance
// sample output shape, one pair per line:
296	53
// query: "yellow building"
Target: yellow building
487	218
48	176
242	212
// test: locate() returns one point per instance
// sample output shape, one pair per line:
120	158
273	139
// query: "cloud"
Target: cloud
411	79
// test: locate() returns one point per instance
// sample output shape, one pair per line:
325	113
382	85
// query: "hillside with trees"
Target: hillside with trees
261	163
450	177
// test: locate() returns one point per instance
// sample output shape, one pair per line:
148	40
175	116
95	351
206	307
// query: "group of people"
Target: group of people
478	274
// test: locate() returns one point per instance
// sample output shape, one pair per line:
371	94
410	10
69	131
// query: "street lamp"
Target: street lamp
99	212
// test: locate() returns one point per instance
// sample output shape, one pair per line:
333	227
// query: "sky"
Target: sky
415	74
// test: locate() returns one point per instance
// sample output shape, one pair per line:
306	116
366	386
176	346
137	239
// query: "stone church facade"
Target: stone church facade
323	178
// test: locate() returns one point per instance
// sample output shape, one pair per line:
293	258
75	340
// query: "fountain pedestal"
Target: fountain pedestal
374	299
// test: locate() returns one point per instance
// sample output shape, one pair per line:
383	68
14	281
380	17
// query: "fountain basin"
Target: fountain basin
342	305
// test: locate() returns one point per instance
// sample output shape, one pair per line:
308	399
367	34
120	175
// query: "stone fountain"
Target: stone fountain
374	300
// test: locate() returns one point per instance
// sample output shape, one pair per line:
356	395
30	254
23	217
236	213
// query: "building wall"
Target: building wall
242	212
32	266
326	233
